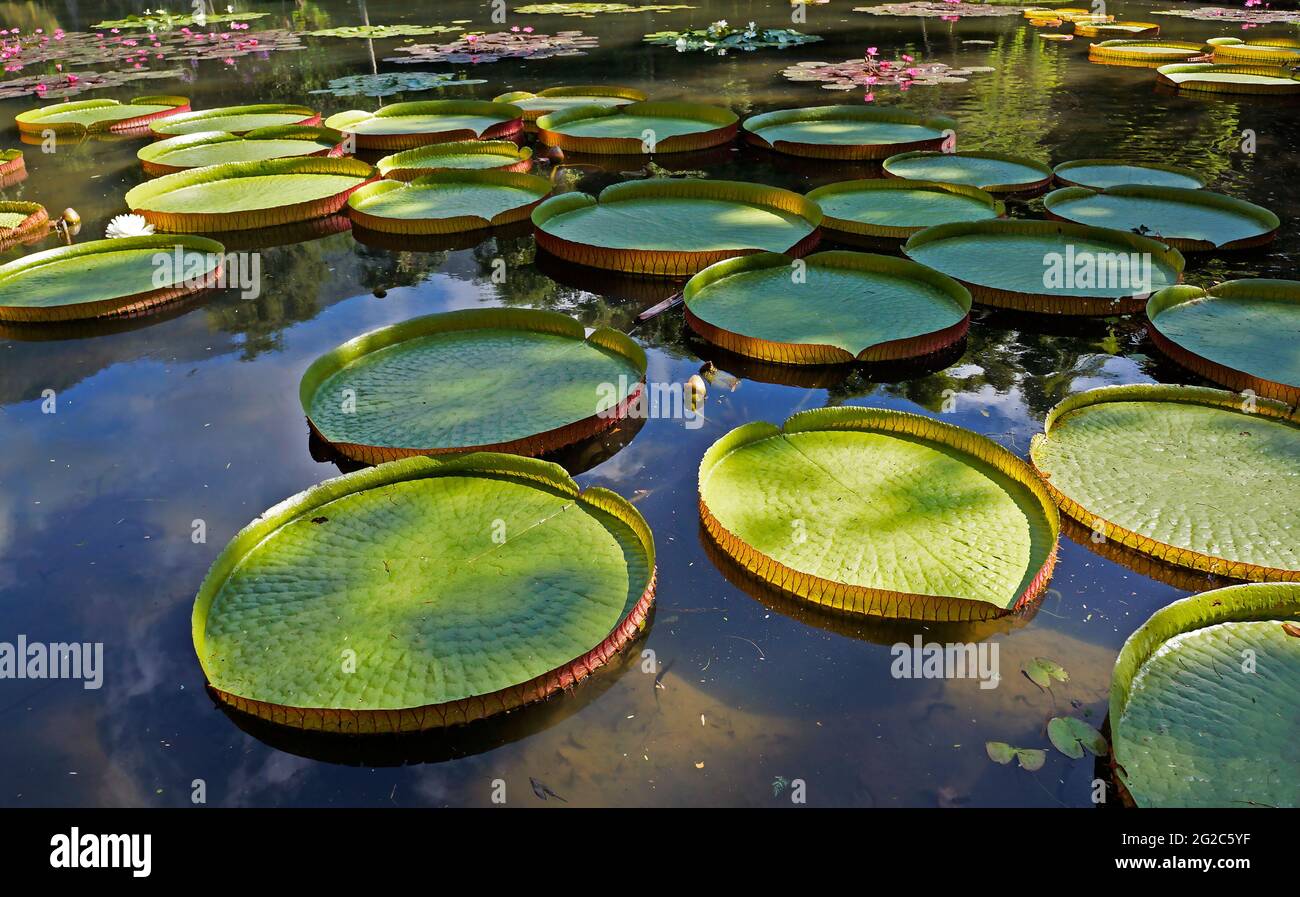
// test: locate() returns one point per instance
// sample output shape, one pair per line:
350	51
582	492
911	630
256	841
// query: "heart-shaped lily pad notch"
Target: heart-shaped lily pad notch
1208	77
847	132
558	99
828	308
879	210
991	172
221	147
779	501
1071	735
408	125
468	155
1203	699
103	278
1197	477
447	202
1147	54
21	221
237	120
1101	174
1244	334
472	586
98	116
1031	759
638	128
503	379
247	195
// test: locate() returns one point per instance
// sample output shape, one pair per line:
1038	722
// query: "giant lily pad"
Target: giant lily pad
846	132
1144	53
407	125
423	593
82	116
1196	724
1190	220
1208	77
993	172
473	155
237	120
20	221
830	308
638	128
447	202
102	278
675	227
875	209
1046	266
1116	29
245	195
1102	174
558	99
1244	334
1265	51
1198	477
874	511
220	147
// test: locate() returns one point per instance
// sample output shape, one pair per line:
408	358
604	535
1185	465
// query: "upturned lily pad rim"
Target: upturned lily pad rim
408	164
1096	29
1017	187
838	226
529	471
36	220
1273	50
128	305
152	155
1123	51
539	187
855	599
821	354
509	121
1158	392
31	122
724	123
752	127
1285	81
570	90
309	116
1244	603
1062	170
1267	220
1258	289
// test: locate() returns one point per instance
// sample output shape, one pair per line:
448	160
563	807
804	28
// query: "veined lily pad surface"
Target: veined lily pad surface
881	512
898	208
1049	266
1101	174
515	380
465	587
847	132
99	115
219	147
829	308
407	125
638	128
675	227
1144	53
468	155
1185	219
1244	334
236	119
102	278
447	202
557	99
993	172
1192	726
1209	77
1198	477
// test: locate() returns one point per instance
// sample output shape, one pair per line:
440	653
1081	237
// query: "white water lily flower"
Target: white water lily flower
681	45
128	226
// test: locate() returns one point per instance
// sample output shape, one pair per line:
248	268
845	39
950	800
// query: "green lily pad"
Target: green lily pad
465	155
1203	701
1190	220
946	524
1244	334
1101	174
385	84
829	308
1210	77
163	21
558	99
1031	759
407	125
219	147
1144	53
237	120
1268	51
638	128
383	32
1041	671
992	172
1071	735
1198	477
423	593
846	132
102	278
898	208
95	116
446	202
587	10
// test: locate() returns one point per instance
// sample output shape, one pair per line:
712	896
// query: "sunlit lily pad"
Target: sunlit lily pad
558	99
92	116
446	202
1144	53
1197	477
846	132
237	120
721	39
160	20
423	593
383	32
992	172
1072	736
1116	29
1208	77
469	155
20	221
638	128
1101	174
219	147
407	125
895	208
385	84
1265	51
911	489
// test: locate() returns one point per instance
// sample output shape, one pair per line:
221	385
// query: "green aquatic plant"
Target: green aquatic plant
99	116
1071	735
383	32
1187	219
219	147
161	20
386	84
1101	174
236	119
945	10
408	125
472	155
721	37
447	202
845	132
877	209
69	84
1031	759
872	73
478	47
1041	671
992	172
590	10
638	128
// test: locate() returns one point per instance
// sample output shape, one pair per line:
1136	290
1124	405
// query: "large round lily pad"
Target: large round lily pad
503	379
847	132
470	155
236	119
1244	334
1267	51
423	593
246	195
1101	174
1055	267
1198	477
1203	701
829	308
1187	219
1207	77
408	125
895	209
992	172
447	202
20	221
675	227
881	512
558	99
1116	29
96	116
1144	53
102	278
220	147
638	128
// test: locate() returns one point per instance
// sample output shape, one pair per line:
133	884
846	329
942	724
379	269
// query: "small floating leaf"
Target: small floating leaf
1042	671
1070	735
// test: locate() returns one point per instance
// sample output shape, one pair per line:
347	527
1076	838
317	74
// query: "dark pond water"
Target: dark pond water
195	416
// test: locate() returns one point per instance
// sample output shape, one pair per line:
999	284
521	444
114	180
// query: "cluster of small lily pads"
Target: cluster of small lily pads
721	37
517	43
872	72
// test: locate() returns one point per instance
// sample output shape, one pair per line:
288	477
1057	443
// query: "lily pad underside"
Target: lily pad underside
447	202
236	119
991	172
894	209
1187	219
846	132
638	128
